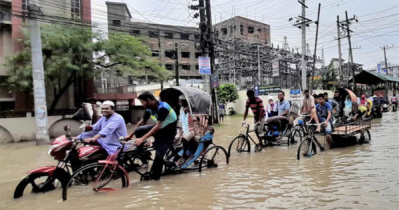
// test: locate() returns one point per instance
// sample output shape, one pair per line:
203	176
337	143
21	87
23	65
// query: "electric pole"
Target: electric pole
39	90
341	73
302	22
177	64
315	47
385	57
350	50
259	65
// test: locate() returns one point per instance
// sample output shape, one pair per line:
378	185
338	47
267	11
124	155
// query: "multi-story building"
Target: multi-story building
161	39
13	16
243	29
393	69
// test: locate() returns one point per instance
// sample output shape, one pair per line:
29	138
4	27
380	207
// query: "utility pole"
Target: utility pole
350	51
177	65
302	22
259	66
39	89
341	73
385	57
303	61
315	47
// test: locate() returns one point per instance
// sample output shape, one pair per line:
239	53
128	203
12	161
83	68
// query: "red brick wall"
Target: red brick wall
86	11
16	24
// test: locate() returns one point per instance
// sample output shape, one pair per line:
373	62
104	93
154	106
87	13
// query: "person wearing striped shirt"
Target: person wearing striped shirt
256	105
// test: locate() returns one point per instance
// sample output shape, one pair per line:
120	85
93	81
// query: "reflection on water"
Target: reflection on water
357	177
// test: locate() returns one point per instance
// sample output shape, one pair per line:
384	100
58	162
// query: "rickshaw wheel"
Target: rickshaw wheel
214	157
365	137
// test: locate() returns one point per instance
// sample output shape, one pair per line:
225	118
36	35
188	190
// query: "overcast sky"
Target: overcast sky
378	22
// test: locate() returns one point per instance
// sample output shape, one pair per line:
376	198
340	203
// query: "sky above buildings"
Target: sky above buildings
378	24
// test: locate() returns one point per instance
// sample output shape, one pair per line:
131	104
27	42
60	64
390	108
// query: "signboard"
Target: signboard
122	105
215	80
268	90
295	94
204	64
275	69
378	68
256	90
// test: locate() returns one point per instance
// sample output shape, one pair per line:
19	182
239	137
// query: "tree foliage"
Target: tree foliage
68	54
227	93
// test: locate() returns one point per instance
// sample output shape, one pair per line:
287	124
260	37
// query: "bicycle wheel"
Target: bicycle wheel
305	148
92	178
296	136
214	157
238	145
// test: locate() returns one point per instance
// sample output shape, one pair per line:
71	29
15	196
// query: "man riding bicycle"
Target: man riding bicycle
164	130
107	130
322	114
256	105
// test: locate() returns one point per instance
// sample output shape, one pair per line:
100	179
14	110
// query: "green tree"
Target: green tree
227	93
68	54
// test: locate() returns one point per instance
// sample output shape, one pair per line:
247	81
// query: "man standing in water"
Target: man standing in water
256	105
164	130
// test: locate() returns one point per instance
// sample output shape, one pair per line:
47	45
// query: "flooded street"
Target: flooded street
356	177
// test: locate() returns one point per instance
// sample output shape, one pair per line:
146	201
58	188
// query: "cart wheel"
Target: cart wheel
365	137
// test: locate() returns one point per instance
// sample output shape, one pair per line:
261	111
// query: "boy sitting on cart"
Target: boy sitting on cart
322	114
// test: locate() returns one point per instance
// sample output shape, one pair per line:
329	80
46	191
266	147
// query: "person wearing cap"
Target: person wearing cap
187	128
107	130
307	103
164	130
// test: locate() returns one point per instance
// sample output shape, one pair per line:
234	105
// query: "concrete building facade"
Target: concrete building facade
243	29
13	17
161	39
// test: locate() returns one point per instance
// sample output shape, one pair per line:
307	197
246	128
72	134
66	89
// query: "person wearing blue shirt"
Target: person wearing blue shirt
107	130
283	105
322	114
164	130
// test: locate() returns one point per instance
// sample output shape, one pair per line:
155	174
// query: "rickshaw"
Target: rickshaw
205	154
345	132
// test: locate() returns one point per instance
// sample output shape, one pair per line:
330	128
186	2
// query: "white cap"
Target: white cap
374	96
108	103
182	97
270	97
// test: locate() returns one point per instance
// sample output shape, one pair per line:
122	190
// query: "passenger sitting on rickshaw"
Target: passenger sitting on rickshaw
186	133
283	107
348	106
164	130
322	113
363	107
271	109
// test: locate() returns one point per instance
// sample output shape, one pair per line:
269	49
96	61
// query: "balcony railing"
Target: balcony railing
120	89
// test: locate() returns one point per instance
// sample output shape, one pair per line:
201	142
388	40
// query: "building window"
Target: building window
154	53
196	67
185	54
241	29
198	54
196	36
224	31
75	9
168	35
116	22
170	54
169	67
25	10
259	30
185	36
251	29
186	67
135	33
153	34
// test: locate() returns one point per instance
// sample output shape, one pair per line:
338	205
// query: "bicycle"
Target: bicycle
242	141
109	172
304	148
300	130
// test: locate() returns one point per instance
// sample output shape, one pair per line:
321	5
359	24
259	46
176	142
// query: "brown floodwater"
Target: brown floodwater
356	177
